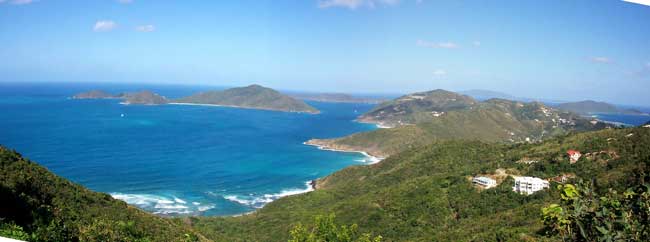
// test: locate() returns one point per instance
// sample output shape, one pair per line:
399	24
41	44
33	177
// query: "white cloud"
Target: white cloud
354	4
444	45
125	1
17	2
439	72
601	59
145	28
642	2
104	26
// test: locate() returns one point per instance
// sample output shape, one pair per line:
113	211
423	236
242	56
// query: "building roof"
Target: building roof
572	152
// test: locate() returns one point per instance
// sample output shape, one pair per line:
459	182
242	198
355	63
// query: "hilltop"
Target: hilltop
416	107
253	96
443	115
38	205
425	193
589	107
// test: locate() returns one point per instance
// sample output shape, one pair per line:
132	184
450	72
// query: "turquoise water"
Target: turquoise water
174	159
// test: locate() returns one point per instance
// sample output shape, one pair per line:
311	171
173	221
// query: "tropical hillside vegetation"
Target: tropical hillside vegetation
422	118
425	193
421	194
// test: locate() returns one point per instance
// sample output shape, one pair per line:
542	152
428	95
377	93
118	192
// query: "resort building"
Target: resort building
529	185
485	182
574	156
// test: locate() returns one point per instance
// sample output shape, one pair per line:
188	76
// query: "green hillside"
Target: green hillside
492	120
416	108
424	194
37	205
253	96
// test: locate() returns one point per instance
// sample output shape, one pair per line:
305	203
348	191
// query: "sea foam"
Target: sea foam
258	201
158	204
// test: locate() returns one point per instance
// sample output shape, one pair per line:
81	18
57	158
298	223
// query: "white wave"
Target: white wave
163	205
259	201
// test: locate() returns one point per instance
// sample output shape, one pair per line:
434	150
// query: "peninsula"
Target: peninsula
253	97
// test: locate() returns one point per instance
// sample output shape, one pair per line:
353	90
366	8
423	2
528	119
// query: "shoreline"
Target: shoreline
372	158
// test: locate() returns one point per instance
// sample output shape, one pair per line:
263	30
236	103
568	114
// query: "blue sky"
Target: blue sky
558	49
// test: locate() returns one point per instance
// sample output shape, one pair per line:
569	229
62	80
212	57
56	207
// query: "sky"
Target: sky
553	49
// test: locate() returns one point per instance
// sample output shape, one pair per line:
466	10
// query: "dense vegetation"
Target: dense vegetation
424	194
493	120
253	96
37	205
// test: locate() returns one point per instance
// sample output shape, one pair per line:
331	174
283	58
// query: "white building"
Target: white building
485	182
529	185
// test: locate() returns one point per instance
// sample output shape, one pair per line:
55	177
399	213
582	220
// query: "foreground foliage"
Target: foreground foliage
325	229
584	215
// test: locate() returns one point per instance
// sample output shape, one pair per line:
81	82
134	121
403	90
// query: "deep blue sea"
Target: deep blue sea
174	159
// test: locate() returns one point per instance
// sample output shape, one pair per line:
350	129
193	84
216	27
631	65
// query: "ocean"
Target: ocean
174	159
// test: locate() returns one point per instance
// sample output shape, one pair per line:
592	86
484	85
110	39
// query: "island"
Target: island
336	98
590	107
252	97
144	98
95	94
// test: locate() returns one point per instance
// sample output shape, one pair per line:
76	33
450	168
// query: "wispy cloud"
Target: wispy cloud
601	59
354	4
104	26
145	28
642	2
476	43
439	72
443	45
125	1
17	2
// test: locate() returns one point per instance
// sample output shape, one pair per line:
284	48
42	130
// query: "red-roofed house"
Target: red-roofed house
574	156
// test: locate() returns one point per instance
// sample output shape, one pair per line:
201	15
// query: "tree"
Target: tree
583	215
325	229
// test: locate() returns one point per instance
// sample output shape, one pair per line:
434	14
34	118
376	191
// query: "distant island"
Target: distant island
590	107
142	98
95	94
145	98
336	98
253	97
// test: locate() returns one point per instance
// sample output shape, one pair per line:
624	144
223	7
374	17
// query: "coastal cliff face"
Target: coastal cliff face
253	96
